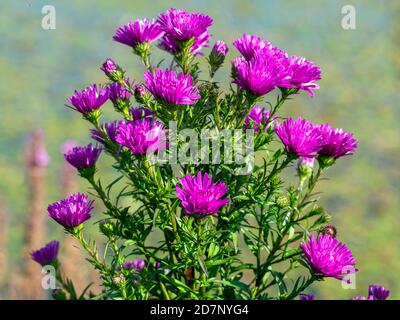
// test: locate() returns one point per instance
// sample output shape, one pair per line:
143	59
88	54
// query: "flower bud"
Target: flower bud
107	229
282	201
141	94
305	167
112	70
331	230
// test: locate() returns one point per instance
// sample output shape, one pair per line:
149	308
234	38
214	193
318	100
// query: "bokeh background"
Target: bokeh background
359	92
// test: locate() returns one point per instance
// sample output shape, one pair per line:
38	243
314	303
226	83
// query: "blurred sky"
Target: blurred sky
359	92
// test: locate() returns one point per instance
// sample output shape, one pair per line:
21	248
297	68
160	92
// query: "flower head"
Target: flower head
299	137
140	113
109	67
328	257
89	99
308	296
117	92
220	48
180	26
72	211
138	32
46	255
171	88
142	136
378	292
109	128
249	44
263	72
258	116
199	195
83	157
302	74
336	143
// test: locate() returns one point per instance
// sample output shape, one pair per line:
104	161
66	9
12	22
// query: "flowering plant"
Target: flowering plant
179	226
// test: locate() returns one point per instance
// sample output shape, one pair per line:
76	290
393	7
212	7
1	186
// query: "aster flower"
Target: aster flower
110	129
89	99
171	88
299	137
46	255
378	292
72	211
328	257
249	44
142	136
336	143
117	92
180	26
263	72
308	296
199	195
140	113
135	265
83	157
138	32
302	74
258	115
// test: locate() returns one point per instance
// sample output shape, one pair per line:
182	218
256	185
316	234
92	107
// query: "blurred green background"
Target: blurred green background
359	92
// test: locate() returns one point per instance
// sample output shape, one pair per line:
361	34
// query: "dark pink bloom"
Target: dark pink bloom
258	115
180	26
249	44
46	255
263	72
220	49
199	195
336	143
171	88
83	157
378	292
328	257
302	74
110	129
117	92
72	211
142	136
140	113
137	32
300	137
89	99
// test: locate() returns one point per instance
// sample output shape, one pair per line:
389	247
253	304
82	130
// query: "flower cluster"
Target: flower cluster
264	67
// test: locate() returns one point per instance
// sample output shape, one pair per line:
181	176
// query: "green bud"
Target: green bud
59	294
325	162
107	229
282	201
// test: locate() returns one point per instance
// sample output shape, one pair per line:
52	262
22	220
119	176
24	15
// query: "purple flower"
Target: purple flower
300	137
89	99
220	49
117	92
249	44
46	255
110	129
109	66
72	211
308	296
303	74
328	257
140	113
83	157
142	136
199	195
171	88
135	265
375	293
263	72
336	143
180	26
378	292
258	115
137	32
